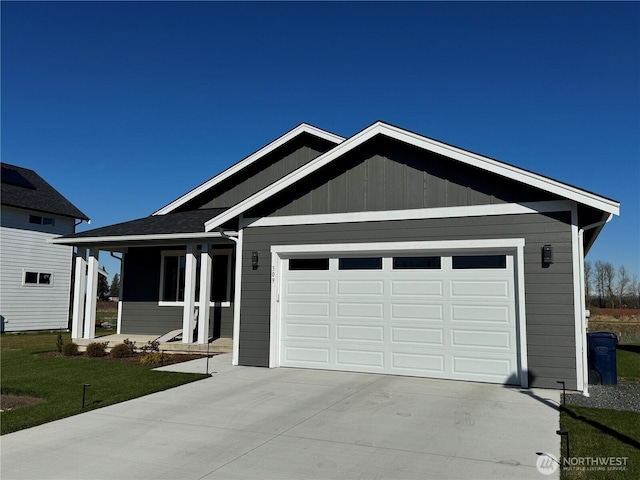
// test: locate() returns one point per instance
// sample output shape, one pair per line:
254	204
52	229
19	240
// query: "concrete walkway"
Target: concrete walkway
260	423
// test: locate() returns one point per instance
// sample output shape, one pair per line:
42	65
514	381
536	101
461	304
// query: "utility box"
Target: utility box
602	358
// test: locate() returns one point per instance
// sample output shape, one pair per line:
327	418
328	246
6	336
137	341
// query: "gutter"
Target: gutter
583	306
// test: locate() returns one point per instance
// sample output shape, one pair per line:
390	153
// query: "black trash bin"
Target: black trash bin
602	358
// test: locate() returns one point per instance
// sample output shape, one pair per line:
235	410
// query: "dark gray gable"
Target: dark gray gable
271	167
24	188
387	174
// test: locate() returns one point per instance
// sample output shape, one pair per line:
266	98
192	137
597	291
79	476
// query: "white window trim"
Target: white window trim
38	272
515	246
414	214
180	303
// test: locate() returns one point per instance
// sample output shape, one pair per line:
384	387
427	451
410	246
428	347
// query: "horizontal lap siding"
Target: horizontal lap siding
549	302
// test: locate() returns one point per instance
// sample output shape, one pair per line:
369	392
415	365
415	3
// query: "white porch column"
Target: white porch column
189	294
205	294
80	278
92	294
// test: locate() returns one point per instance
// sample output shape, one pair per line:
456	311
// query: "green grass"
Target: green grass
595	432
59	381
628	361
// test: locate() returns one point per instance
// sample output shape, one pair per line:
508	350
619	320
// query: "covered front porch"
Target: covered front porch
174	278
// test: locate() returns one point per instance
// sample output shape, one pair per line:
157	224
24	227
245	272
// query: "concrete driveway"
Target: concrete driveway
296	424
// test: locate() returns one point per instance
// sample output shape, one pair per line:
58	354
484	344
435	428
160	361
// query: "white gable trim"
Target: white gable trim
414	214
463	156
302	128
136	238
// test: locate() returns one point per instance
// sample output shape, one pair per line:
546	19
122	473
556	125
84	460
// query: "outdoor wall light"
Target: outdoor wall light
254	260
547	256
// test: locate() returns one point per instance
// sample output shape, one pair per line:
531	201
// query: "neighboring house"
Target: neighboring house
386	252
35	275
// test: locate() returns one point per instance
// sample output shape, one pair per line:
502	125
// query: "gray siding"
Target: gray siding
265	171
384	174
141	313
548	291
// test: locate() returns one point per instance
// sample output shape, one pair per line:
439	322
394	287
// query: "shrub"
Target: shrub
121	351
153	358
59	342
69	349
97	349
130	344
153	346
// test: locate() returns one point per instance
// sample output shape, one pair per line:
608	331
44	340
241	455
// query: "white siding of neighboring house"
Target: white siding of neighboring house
25	247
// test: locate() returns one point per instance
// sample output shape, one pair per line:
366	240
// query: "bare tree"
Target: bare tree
622	286
604	278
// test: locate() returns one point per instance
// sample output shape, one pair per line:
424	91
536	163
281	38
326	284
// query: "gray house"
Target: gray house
386	252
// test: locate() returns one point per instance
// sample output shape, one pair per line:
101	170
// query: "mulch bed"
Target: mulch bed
169	359
11	402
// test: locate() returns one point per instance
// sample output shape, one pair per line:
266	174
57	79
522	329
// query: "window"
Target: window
416	263
309	264
368	263
38	220
38	278
173	271
479	261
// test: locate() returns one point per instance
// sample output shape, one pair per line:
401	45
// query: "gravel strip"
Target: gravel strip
623	396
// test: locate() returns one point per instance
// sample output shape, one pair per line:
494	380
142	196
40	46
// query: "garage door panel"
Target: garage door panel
308	309
481	340
360	333
480	289
350	287
360	310
483	369
417	288
416	312
416	335
307	331
308	355
418	363
359	358
304	287
481	314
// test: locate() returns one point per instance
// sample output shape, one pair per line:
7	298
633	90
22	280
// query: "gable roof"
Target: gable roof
24	188
469	158
242	164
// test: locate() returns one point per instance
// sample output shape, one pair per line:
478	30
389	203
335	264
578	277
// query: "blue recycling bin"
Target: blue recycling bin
602	358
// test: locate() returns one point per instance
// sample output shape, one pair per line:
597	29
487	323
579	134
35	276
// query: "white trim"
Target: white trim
579	317
189	294
463	156
413	214
91	295
205	294
302	128
77	319
38	273
237	298
279	254
135	238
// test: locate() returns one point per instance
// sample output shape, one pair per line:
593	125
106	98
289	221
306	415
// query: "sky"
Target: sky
125	106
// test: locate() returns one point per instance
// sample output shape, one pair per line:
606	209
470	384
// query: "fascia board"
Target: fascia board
419	141
134	238
290	135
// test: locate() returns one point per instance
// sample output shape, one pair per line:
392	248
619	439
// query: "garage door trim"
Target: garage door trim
515	246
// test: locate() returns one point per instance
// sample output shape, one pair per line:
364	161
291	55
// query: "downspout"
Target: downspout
237	295
119	320
585	370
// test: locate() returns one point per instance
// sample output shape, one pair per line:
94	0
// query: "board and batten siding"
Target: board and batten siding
548	291
263	172
141	312
25	247
384	174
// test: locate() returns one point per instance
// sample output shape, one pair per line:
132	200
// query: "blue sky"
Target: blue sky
123	107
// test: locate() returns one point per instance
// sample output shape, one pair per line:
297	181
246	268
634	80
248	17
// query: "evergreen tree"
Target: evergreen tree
103	286
114	291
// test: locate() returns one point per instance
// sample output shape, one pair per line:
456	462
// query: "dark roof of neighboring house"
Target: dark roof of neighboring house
24	188
171	223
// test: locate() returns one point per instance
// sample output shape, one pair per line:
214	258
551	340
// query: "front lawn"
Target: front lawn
59	381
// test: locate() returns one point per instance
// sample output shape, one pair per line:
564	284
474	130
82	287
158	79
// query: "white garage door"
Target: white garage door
445	316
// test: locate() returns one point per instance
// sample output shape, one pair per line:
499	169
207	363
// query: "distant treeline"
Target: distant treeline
610	287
